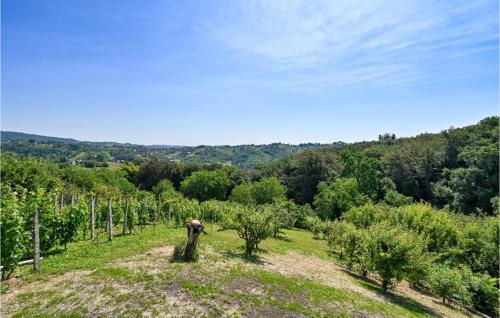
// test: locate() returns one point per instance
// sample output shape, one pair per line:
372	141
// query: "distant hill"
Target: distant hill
14	136
68	150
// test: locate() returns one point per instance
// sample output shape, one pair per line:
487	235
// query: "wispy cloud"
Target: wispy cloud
339	43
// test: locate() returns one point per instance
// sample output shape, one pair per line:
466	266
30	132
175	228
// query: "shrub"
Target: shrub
13	235
253	225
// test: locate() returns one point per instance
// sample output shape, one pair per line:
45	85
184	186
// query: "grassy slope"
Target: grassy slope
221	284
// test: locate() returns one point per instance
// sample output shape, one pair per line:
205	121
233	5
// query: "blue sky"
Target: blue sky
238	72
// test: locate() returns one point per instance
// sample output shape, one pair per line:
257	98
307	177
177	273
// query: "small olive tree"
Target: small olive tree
253	224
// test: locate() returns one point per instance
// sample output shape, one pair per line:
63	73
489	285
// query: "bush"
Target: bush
13	235
394	198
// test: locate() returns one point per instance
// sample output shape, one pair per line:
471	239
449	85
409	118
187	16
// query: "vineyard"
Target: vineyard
80	219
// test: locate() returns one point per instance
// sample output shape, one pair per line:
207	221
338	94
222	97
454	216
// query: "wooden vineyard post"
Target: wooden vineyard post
110	220
36	241
169	212
159	210
92	217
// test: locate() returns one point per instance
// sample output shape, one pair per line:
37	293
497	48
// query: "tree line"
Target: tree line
420	209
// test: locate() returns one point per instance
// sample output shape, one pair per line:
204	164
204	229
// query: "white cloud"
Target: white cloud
332	43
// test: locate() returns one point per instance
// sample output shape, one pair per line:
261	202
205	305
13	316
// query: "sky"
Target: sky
246	72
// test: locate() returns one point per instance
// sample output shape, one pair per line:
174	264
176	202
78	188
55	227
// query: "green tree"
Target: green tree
268	190
394	254
206	185
243	194
302	173
337	197
253	224
446	282
283	218
365	169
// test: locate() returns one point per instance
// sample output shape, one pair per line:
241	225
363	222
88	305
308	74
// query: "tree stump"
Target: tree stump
194	229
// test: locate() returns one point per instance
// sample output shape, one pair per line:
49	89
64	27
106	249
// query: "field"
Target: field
293	275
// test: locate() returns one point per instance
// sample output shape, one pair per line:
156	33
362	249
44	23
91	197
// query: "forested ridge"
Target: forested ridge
421	210
93	154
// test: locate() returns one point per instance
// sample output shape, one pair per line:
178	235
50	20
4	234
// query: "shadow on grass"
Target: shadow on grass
280	237
55	251
405	302
254	259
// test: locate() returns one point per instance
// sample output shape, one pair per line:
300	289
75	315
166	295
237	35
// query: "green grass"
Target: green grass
234	285
89	255
288	240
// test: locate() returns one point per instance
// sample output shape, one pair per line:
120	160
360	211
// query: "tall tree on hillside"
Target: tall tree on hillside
302	173
365	169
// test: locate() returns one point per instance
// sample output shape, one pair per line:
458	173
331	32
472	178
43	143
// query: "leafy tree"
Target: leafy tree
253	224
484	294
302	173
206	185
130	171
267	191
336	237
364	216
153	171
353	241
394	254
446	282
282	218
365	169
314	224
337	197
243	194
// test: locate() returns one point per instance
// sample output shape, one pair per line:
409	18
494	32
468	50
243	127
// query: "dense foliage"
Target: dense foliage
366	199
